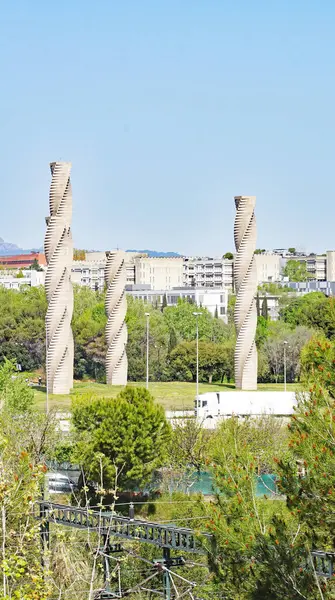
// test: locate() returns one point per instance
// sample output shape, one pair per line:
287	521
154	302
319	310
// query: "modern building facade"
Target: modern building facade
58	286
208	272
316	264
159	272
29	278
268	267
212	299
306	287
330	269
23	261
245	277
116	328
91	271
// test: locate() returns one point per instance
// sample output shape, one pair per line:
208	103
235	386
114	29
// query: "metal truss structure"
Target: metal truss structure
165	537
110	525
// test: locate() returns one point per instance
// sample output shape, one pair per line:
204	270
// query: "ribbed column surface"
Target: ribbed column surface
245	279
59	255
116	328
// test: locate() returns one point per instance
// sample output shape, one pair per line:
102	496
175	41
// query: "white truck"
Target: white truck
224	404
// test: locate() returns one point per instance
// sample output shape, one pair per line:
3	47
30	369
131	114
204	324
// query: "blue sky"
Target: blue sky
167	109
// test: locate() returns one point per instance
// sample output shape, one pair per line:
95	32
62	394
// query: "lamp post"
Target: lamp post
196	314
147	374
285	345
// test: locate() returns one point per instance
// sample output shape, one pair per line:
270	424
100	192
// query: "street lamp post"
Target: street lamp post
196	314
285	345
147	374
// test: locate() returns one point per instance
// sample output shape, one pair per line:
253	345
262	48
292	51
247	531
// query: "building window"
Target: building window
222	310
222	299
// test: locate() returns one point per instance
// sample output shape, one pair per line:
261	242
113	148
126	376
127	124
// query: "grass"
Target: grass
172	395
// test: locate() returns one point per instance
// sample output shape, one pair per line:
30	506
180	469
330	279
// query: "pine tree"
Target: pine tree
258	307
172	340
265	311
164	303
216	314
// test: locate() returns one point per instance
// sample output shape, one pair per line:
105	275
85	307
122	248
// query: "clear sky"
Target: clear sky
167	109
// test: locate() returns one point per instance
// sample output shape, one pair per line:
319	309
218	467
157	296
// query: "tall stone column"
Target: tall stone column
245	279
116	328
59	255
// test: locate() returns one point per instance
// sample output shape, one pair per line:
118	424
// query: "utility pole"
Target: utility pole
147	373
285	344
166	574
196	314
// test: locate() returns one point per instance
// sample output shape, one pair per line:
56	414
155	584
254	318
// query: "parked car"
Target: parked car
60	484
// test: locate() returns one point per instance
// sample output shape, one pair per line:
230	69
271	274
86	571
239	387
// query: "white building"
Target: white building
316	264
212	299
330	265
268	267
91	271
272	301
208	272
161	273
30	277
306	287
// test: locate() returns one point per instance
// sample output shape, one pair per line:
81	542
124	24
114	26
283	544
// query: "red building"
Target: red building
23	261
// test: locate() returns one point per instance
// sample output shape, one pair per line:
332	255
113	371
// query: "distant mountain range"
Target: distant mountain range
12	249
156	254
9	248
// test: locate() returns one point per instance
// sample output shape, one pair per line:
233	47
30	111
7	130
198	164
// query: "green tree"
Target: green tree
273	347
216	313
190	445
125	438
258	306
291	250
183	321
313	310
35	266
296	270
79	254
215	361
19	275
15	395
22	326
164	302
262	546
231	307
265	311
172	340
228	255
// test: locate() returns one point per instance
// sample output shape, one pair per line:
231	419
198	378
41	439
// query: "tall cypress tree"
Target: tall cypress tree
265	310
258	307
164	303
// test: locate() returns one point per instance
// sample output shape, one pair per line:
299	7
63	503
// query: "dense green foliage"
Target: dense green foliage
172	333
263	547
296	270
22	333
121	441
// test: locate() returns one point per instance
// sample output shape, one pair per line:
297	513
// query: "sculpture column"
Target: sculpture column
245	279
58	286
116	328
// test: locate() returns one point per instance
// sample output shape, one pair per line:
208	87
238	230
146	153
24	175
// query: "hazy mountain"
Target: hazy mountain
9	248
157	254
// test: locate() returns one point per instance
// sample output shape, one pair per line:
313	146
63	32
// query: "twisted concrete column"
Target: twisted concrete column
245	278
116	328
59	254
